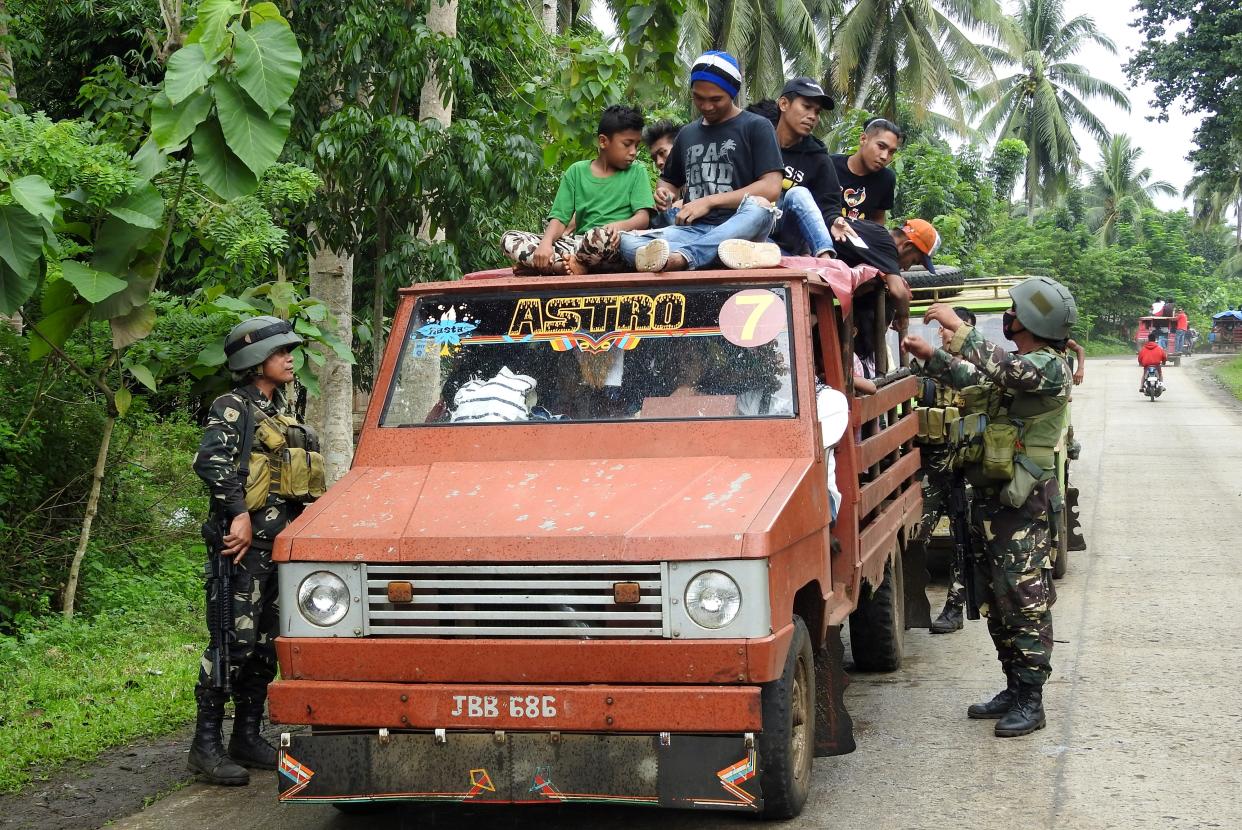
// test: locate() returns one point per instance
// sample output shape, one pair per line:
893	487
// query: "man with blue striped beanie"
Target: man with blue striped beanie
729	164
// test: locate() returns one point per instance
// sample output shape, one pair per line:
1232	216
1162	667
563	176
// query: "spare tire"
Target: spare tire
946	277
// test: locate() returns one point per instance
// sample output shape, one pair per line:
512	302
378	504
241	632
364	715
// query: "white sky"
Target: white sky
1164	145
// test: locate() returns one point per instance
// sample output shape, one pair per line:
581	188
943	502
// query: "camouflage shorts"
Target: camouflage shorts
596	250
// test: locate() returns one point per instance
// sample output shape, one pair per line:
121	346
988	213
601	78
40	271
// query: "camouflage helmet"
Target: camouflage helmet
252	341
1044	307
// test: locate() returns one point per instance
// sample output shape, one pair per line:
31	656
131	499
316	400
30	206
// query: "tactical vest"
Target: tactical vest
284	460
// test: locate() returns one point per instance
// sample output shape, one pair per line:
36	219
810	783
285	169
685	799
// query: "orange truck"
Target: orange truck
585	553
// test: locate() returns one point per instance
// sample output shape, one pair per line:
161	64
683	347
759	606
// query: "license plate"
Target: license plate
529	707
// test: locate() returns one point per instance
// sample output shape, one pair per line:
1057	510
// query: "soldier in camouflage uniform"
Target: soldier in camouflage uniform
258	355
1032	385
937	483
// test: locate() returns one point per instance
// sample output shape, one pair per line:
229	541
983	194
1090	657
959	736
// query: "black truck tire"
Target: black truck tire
787	742
878	625
946	276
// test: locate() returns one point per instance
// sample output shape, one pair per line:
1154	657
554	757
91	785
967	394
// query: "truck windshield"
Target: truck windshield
672	353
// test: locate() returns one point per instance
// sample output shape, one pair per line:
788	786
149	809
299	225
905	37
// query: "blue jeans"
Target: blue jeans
798	205
1181	339
698	243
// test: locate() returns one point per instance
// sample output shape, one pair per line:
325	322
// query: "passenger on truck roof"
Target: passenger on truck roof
659	138
601	198
730	165
810	190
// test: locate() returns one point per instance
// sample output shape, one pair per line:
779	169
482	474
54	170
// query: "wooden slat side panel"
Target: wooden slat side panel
873	493
871	406
871	450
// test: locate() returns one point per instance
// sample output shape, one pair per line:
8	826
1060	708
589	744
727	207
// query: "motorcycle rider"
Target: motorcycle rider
1151	355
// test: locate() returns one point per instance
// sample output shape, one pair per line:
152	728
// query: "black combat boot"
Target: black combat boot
207	755
1027	713
997	706
247	746
950	620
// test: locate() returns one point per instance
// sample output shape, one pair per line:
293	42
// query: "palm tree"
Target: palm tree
1119	189
1217	192
769	39
1044	99
882	46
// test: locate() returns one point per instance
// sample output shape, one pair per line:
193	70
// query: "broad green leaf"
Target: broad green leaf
316	357
144	375
263	12
172	124
212	355
307	378
34	194
299	359
212	29
15	288
221	170
306	329
116	245
144	207
315	311
149	160
252	135
93	286
268	63
123	398
188	72
56	327
57	294
233	304
21	240
342	350
131	327
282	296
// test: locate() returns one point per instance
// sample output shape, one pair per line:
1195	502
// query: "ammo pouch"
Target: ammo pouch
284	462
1026	476
1000	441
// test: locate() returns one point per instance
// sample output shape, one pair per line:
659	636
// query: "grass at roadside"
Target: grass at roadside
1106	347
1229	373
72	690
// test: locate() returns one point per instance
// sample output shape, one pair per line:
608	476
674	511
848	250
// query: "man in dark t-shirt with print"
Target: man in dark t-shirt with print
730	166
867	185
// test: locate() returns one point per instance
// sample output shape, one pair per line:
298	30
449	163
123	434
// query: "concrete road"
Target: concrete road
1145	727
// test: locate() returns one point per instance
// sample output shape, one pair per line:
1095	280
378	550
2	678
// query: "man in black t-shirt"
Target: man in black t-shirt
867	185
730	165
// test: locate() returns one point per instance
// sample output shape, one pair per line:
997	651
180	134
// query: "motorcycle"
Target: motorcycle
1153	387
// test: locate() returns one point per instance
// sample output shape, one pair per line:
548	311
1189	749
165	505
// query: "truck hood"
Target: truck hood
645	509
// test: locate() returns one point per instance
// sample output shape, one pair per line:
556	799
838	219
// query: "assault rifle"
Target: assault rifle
220	620
964	552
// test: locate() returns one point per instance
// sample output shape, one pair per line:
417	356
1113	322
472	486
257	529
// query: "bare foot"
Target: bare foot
573	266
676	262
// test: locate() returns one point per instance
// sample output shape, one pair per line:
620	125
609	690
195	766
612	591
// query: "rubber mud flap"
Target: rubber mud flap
834	728
915	577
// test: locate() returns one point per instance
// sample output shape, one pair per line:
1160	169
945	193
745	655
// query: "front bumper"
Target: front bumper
665	770
577	708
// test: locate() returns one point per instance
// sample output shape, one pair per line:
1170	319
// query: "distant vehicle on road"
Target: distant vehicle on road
1226	333
1166	336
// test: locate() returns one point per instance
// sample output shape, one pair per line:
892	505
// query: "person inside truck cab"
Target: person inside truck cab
601	198
730	165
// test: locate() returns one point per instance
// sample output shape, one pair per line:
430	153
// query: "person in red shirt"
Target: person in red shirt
1151	355
1183	324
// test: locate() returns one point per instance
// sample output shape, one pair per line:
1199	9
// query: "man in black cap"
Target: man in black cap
810	193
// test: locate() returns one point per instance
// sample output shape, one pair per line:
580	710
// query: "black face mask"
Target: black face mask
1007	321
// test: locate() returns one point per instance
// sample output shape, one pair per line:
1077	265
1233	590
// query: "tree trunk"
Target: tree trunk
331	412
9	88
549	16
1031	178
442	20
92	508
378	289
864	80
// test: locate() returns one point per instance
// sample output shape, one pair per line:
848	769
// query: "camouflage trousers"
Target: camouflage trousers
596	250
936	486
1016	591
256	622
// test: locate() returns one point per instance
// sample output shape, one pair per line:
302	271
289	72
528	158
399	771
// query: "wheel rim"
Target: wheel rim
800	712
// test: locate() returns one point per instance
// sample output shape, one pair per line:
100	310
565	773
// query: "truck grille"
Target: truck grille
562	600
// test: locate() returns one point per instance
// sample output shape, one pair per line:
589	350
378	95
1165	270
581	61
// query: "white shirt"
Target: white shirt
834	416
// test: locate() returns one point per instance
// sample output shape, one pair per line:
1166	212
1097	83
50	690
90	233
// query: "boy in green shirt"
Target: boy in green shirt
598	199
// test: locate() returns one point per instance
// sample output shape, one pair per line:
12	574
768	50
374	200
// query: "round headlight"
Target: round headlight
323	598
713	599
